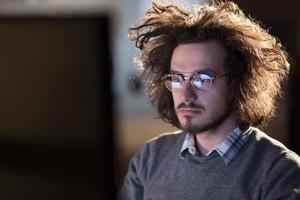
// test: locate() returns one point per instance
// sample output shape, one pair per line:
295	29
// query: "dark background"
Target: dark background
55	108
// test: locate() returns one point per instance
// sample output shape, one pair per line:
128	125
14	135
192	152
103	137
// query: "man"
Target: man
214	74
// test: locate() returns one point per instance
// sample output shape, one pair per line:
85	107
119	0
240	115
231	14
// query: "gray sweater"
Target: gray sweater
264	169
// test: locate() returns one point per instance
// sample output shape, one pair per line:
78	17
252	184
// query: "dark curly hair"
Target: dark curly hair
256	62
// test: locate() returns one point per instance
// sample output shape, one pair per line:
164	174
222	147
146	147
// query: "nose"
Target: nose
187	92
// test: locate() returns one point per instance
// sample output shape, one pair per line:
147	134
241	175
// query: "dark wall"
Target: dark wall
55	109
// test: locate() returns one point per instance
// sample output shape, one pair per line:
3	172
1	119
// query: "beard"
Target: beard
190	124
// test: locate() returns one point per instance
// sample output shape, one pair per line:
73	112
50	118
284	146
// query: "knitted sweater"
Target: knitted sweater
263	169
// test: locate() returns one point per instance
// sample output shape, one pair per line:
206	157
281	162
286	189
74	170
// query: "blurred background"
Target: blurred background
72	108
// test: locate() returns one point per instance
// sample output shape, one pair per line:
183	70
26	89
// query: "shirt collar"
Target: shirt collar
228	149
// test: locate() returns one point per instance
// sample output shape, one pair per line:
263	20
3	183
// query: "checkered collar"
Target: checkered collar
228	149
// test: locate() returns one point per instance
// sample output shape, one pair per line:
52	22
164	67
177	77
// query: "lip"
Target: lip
189	111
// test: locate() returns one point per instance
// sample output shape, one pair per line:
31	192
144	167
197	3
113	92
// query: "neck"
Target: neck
208	140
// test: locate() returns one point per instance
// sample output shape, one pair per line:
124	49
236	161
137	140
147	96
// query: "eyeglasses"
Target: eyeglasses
200	81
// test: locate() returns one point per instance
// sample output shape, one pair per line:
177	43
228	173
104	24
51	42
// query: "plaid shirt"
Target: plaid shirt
228	149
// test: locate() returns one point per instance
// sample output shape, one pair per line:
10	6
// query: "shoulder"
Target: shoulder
266	142
156	150
272	154
166	138
162	144
280	166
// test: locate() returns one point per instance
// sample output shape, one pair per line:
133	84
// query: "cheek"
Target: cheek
218	100
213	99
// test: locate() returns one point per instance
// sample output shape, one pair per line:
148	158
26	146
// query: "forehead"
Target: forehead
204	56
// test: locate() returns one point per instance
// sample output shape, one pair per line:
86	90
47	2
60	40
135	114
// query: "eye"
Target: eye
197	81
176	78
201	81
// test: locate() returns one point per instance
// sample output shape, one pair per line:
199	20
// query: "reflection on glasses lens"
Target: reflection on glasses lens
201	81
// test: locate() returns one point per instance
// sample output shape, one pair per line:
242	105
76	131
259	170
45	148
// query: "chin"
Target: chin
191	127
194	127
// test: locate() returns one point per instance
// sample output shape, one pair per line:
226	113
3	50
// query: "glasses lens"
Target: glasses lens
199	81
173	81
202	82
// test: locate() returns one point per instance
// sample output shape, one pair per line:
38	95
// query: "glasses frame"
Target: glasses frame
190	77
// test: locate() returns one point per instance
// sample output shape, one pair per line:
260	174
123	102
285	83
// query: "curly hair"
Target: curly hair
256	63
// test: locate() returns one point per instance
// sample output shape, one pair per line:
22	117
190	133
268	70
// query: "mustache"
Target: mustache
190	105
